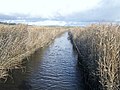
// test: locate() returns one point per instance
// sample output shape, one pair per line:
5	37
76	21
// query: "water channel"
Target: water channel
51	68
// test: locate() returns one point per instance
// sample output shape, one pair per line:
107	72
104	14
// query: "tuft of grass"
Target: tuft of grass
17	42
99	46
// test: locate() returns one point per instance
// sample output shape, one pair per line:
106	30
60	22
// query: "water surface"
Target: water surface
52	68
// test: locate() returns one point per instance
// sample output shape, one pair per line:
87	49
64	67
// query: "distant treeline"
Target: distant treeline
8	23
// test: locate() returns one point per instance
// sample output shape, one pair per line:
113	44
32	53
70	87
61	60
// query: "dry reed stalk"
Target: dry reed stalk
17	42
100	47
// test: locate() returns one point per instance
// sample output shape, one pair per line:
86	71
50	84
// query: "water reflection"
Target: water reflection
52	68
24	86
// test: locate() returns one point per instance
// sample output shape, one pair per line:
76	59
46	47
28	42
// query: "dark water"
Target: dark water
52	68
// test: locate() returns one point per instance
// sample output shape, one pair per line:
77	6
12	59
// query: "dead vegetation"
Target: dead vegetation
17	42
99	46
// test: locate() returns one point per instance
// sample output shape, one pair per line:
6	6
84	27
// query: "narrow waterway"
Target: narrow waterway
52	68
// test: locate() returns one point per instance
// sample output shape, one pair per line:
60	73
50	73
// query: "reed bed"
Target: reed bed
17	42
99	47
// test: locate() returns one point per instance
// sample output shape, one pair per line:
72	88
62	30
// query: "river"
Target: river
51	68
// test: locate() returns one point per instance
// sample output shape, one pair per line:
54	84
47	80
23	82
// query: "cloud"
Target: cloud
109	10
46	8
48	23
60	12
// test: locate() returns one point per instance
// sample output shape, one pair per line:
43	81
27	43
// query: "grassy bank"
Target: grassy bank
17	42
99	48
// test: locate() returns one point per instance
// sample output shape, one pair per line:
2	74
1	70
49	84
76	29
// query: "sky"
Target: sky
59	12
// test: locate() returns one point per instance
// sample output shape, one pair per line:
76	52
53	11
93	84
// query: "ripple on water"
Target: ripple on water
54	68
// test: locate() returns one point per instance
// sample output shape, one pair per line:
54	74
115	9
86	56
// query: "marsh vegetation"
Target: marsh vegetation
99	48
18	42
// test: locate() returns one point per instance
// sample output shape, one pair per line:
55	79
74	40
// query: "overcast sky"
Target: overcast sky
62	10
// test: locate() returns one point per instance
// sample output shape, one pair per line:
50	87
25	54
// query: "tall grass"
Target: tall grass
99	46
17	42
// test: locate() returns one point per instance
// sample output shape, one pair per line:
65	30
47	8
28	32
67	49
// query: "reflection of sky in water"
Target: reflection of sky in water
57	68
53	68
